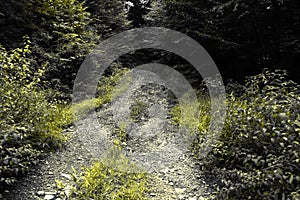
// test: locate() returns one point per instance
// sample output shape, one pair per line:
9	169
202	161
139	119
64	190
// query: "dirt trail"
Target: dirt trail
153	143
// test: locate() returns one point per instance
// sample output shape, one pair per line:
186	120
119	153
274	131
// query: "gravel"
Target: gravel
153	143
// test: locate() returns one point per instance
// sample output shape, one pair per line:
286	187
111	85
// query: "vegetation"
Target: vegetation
113	177
242	37
258	152
43	43
137	110
257	155
31	119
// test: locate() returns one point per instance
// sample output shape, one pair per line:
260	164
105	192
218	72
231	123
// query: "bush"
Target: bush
31	120
196	126
258	153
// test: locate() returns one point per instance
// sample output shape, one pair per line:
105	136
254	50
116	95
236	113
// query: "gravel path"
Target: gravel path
40	183
153	143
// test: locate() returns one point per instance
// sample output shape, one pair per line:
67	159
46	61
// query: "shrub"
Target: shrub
138	110
108	89
107	16
257	155
31	120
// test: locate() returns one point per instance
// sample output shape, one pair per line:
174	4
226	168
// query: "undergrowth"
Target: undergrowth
31	120
258	152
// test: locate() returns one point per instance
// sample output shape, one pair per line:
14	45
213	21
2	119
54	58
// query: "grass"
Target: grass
112	178
183	115
137	110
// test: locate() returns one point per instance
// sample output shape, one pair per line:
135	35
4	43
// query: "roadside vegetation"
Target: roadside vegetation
257	154
31	119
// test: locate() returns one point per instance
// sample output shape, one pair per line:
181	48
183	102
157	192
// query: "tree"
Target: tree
241	36
137	10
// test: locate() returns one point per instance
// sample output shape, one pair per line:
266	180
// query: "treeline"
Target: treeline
242	37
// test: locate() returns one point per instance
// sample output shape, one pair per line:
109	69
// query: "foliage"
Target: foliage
257	155
63	38
107	16
114	84
114	177
239	34
108	89
31	120
136	11
121	134
59	31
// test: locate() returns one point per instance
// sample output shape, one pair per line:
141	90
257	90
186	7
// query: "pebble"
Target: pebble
180	190
49	197
50	193
179	173
67	176
152	194
68	191
40	193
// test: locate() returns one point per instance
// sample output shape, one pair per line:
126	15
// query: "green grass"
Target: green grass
112	178
183	115
109	88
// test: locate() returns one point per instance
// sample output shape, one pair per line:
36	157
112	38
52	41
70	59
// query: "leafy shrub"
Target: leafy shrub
111	178
60	32
114	84
120	134
181	113
31	120
257	155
